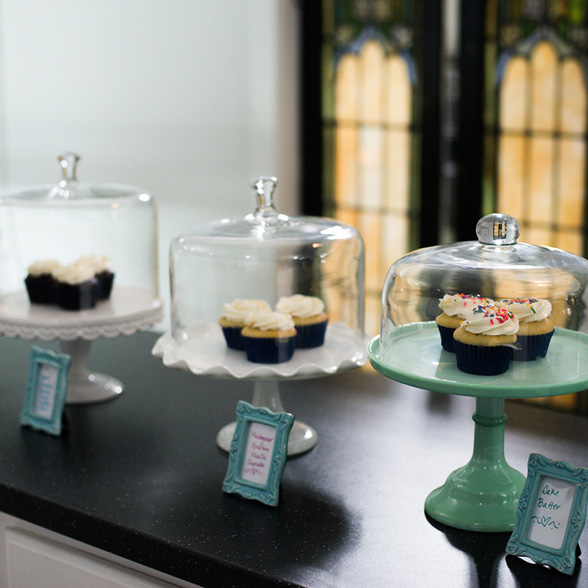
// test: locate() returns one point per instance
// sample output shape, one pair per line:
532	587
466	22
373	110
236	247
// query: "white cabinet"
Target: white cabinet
33	557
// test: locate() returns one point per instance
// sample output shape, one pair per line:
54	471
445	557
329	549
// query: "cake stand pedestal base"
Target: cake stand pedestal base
83	386
483	495
266	393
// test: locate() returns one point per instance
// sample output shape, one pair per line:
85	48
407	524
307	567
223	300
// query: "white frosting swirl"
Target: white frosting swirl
527	310
270	321
238	310
43	266
74	274
100	263
457	304
490	320
300	306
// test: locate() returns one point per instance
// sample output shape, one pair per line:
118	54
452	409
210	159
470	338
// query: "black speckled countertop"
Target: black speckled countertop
140	476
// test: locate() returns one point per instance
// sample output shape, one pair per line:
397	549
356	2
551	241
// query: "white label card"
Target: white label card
45	392
259	450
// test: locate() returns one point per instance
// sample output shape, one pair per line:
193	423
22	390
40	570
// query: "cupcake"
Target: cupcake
269	337
233	318
75	286
39	281
535	326
101	266
452	308
310	319
484	341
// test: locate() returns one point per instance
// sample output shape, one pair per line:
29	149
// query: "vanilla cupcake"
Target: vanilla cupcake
310	319
485	339
453	307
233	317
75	286
269	337
101	266
535	326
39	281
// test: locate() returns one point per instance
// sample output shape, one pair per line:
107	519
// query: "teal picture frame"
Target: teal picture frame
46	390
258	453
551	513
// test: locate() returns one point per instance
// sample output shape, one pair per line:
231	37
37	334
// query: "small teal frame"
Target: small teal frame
540	468
267	492
45	397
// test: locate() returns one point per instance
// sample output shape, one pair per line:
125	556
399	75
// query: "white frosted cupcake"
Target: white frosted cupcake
453	307
233	317
485	339
269	337
535	326
310	319
101	265
75	287
39	281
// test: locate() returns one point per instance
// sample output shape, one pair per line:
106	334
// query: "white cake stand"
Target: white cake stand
127	311
204	352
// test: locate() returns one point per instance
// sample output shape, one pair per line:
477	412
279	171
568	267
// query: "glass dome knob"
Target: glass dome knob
69	164
264	188
498	229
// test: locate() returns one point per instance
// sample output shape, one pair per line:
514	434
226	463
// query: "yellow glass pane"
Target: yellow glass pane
372	64
543	87
371	168
511	175
397	171
540	179
572	176
370	227
373	306
537	236
394	241
346	90
397	108
573	98
346	172
349	216
513	95
571	241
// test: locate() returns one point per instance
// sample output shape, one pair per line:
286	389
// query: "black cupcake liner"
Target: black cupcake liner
446	338
104	284
40	289
481	360
233	338
269	349
531	347
309	336
76	297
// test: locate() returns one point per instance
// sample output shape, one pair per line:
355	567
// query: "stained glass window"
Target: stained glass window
371	131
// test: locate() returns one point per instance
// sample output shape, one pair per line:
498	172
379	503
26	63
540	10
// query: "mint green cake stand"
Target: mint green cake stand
483	495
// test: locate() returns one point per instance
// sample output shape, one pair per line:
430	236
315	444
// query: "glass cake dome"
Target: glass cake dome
72	220
265	256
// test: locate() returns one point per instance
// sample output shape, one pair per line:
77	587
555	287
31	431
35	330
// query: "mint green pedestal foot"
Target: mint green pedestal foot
483	495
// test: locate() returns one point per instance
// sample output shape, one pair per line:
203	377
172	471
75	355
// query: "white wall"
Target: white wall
188	99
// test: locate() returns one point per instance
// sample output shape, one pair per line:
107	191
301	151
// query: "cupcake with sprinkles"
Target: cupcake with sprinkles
453	307
535	326
485	339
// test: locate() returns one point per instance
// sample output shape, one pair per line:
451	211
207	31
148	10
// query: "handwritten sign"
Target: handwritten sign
258	453
549	520
259	450
46	390
551	513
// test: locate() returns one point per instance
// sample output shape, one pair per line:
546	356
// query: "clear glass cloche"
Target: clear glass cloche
495	269
72	220
266	256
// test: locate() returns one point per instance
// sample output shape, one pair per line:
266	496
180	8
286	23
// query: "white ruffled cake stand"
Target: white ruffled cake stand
127	311
205	353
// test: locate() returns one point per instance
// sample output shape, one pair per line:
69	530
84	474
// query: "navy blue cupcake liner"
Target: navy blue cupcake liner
233	338
481	360
446	338
309	336
76	297
530	347
269	349
41	289
104	285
